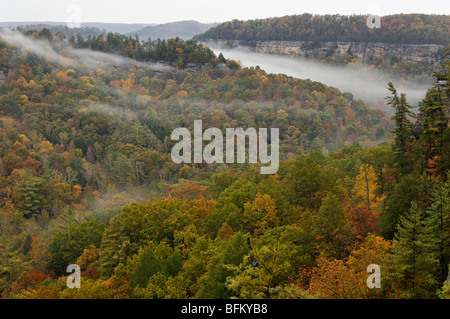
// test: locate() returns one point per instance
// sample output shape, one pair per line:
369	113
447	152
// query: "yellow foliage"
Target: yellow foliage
17	145
76	191
46	147
25	140
24	98
365	188
62	75
261	214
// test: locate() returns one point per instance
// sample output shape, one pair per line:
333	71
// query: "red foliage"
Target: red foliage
364	221
28	280
433	164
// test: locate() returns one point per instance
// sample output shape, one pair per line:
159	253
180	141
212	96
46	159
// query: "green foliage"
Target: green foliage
328	224
67	245
398	28
114	247
85	164
416	253
12	264
215	283
403	129
148	266
439	218
34	192
177	51
308	182
405	191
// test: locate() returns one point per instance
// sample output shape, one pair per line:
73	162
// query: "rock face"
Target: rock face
423	53
2	77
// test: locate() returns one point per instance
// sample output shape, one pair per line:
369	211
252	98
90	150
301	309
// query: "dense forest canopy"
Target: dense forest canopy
398	28
172	51
86	178
406	46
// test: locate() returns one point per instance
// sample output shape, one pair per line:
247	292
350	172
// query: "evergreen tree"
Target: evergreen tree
439	218
12	264
405	191
216	278
432	125
403	129
416	253
148	266
114	247
66	246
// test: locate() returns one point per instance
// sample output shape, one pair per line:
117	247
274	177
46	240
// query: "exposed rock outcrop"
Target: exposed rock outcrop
423	53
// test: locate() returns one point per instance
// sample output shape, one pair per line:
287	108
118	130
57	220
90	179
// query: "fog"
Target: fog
364	83
72	57
39	47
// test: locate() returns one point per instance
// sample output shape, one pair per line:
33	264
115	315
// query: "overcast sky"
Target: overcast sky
149	11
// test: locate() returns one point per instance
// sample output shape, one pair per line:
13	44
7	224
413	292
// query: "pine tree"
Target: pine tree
416	253
12	264
432	124
403	129
439	216
113	249
148	266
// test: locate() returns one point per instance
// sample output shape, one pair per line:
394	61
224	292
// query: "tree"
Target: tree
122	171
148	266
215	283
405	191
438	214
114	248
33	195
260	215
403	129
433	114
28	281
329	225
308	182
270	275
88	262
366	188
67	245
415	253
12	265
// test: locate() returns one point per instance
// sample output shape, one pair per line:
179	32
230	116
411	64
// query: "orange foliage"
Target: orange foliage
28	281
190	191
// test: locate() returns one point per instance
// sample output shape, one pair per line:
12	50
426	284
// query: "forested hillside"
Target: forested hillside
399	28
408	46
182	29
86	177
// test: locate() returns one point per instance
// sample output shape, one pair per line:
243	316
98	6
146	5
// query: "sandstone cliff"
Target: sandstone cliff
423	53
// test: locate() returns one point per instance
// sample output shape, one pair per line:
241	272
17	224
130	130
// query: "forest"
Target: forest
86	178
398	29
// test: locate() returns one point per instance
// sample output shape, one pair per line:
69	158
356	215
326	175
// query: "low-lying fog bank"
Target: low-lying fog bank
364	83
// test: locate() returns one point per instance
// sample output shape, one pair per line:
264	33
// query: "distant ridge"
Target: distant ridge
396	28
181	29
